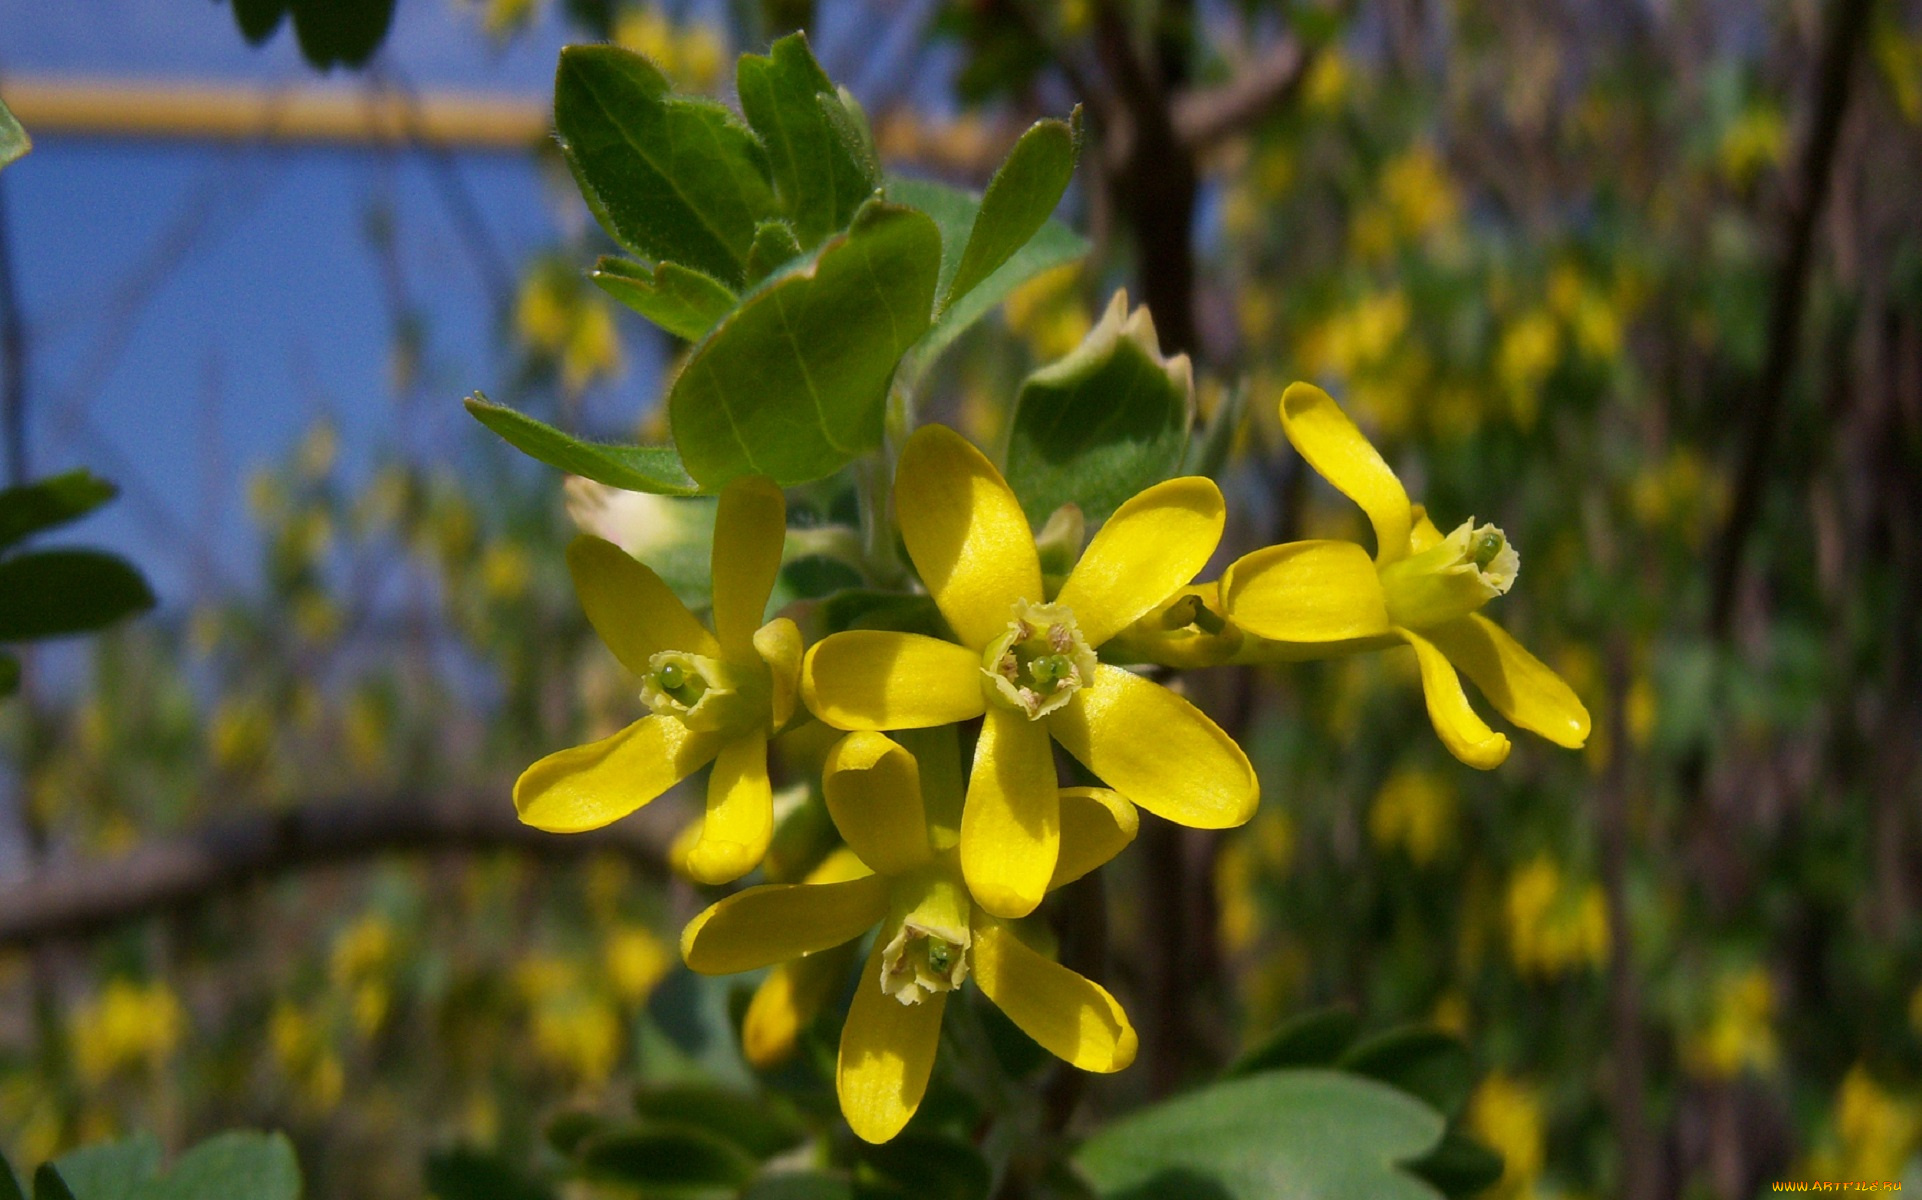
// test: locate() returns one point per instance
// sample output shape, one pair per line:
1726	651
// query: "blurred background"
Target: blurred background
1638	280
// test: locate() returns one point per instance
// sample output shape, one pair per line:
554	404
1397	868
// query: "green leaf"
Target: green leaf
567	1130
14	141
259	1166
1313	1039
1280	1135
655	469
32	507
953	212
258	19
808	1186
679	299
753	1124
794	383
9	1186
341	32
665	1158
107	1171
1426	1063
774	247
48	1185
1208	454
670	178
1460	1167
464	1173
1019	200
52	593
1102	423
9	684
931	1167
819	170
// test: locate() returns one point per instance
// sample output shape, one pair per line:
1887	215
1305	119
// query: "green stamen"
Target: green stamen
940	955
1487	546
671	677
1050	669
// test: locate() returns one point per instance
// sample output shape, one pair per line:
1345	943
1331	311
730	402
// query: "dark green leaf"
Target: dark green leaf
774	247
1425	1063
9	684
679	299
668	177
864	608
794	383
756	1125
1101	424
9	1186
931	1167
259	1166
655	469
464	1173
13	139
48	1185
341	32
1313	1039
1208	454
32	507
819	173
953	212
665	1158
52	593
259	18
1019	200
799	1187
1280	1135
1460	1167
107	1171
569	1129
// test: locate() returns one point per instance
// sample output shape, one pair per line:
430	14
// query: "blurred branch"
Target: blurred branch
65	899
1204	117
1806	195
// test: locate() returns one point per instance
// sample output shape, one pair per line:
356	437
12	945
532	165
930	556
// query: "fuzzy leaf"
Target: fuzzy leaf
1019	200
53	593
13	139
679	299
33	507
793	384
655	469
820	175
668	177
1102	423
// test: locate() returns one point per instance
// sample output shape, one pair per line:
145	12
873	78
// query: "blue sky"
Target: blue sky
193	307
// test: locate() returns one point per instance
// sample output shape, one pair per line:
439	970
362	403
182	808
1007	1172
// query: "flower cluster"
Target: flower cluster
946	852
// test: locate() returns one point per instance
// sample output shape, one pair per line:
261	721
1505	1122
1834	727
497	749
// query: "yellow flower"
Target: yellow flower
132	1026
1507	1114
1321	598
1739	1032
901	816
716	696
1026	661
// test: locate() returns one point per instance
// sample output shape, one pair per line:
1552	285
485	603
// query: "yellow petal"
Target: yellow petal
965	532
586	787
1011	821
1519	685
1333	446
778	921
1152	545
1320	591
779	644
740	813
791	996
1096	825
877	679
873	789
636	614
1072	1017
750	525
887	1051
1466	735
1158	750
841	865
1424	535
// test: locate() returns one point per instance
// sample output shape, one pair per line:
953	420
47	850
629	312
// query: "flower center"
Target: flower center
1041	661
704	693
1451	579
919	962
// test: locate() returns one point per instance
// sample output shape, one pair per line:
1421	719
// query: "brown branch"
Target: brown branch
65	899
1835	68
1204	117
